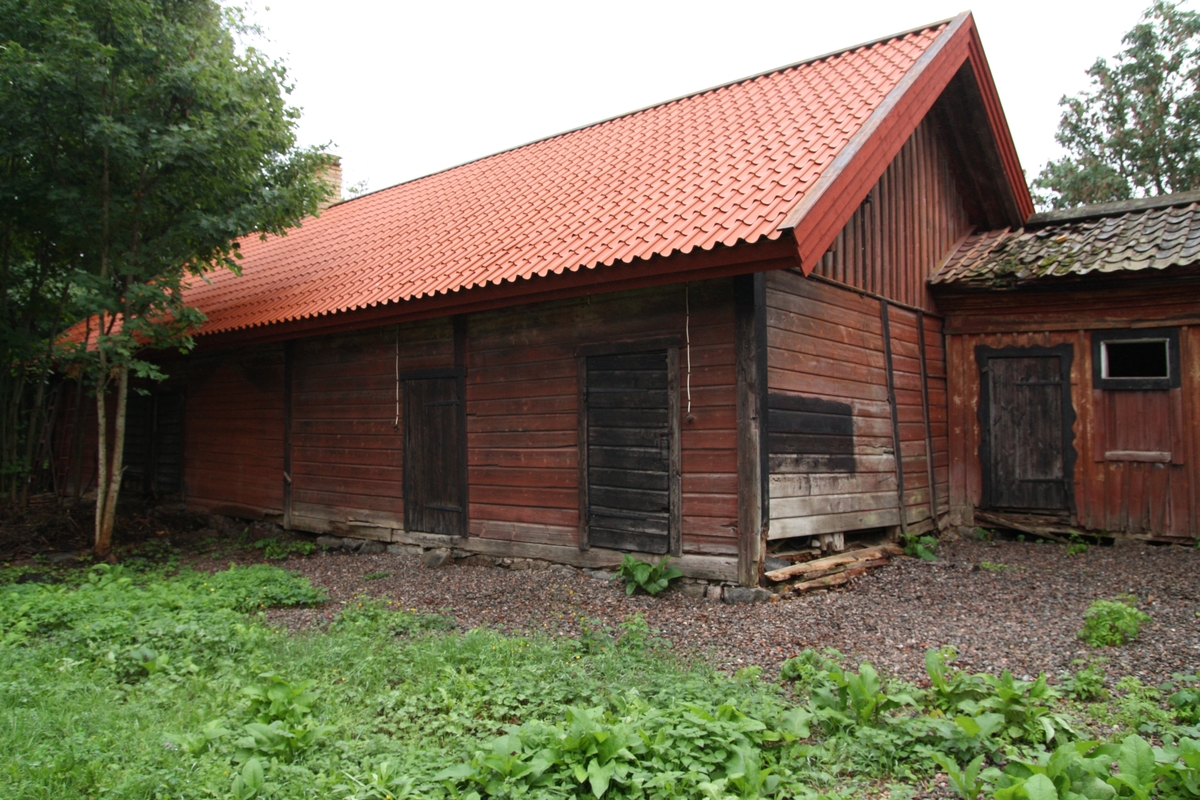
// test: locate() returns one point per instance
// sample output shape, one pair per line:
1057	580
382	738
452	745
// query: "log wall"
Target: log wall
233	430
910	221
828	366
522	407
1111	494
346	438
347	429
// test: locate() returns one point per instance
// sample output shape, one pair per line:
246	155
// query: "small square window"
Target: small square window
1136	359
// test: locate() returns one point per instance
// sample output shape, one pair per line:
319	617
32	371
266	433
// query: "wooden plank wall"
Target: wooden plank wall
1155	500
522	405
347	435
233	430
912	218
826	343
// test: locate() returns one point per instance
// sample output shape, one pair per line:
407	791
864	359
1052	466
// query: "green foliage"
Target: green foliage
650	578
1108	623
1136	131
123	684
992	566
1087	683
1183	696
278	550
376	576
1077	548
923	547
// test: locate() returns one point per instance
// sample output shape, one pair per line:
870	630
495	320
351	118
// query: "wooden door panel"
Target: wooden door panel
628	452
1027	429
434	457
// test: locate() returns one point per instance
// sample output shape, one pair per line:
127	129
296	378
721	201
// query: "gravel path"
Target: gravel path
1023	618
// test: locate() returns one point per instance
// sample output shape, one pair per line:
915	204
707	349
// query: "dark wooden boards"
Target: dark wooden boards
628	451
1026	413
435	492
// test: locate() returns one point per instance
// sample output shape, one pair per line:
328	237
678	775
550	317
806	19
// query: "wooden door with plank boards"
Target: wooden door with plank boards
435	452
1026	416
629	451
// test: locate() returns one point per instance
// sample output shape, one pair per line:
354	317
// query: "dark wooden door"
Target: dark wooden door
628	452
153	456
1028	464
435	457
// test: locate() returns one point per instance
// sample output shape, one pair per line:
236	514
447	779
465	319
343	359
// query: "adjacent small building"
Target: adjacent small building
1074	358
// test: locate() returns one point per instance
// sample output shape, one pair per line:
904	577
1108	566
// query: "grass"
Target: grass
118	683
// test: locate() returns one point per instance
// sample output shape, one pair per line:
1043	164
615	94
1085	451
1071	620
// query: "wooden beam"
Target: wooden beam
581	394
675	457
750	346
289	358
891	391
925	413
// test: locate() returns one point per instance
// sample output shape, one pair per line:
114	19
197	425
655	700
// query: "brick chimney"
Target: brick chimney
332	175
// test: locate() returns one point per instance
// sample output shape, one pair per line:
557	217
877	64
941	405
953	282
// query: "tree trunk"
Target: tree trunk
105	531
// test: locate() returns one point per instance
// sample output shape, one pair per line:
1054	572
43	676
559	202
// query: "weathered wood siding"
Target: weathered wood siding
826	350
522	407
1156	500
233	430
912	218
346	437
347	434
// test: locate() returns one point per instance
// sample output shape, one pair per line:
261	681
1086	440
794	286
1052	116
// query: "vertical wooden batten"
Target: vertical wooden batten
925	416
675	455
750	335
289	358
891	391
461	340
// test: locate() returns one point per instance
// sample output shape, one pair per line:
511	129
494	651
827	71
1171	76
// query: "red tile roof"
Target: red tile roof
716	168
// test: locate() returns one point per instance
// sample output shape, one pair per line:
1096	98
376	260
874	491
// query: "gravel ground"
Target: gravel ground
1023	618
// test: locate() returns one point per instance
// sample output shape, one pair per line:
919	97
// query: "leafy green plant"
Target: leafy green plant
650	578
1076	546
1184	697
376	576
1086	683
1109	623
923	547
250	782
276	549
992	566
965	780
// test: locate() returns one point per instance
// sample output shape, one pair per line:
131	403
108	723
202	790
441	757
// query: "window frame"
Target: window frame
1099	359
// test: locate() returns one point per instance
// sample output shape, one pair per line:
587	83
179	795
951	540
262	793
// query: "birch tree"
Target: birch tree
158	138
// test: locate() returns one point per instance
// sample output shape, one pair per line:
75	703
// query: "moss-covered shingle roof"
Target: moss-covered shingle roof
1132	236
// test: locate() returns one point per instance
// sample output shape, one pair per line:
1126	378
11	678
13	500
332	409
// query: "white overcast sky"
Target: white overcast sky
403	89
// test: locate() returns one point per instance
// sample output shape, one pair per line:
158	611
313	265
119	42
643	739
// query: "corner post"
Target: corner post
750	345
289	358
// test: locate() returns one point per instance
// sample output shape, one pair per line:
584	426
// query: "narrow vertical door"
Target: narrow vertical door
435	491
1028	433
628	452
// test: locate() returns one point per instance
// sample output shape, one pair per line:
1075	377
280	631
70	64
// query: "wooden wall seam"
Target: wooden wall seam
750	347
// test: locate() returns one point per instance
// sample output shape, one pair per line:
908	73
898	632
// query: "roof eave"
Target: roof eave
829	204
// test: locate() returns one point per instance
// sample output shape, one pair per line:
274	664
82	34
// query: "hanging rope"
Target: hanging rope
396	424
687	340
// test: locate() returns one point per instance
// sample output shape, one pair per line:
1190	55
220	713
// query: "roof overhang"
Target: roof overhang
955	70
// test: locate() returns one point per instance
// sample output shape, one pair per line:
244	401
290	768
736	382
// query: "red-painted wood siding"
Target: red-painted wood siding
347	437
522	406
1140	498
233	430
915	216
826	342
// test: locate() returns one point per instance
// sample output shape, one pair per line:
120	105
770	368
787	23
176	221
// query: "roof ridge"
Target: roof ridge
794	65
1116	208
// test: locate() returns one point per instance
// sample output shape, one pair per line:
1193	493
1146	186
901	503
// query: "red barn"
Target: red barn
704	328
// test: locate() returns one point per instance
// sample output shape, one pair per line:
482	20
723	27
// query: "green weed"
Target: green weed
1108	623
992	566
923	547
1087	683
277	550
650	578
